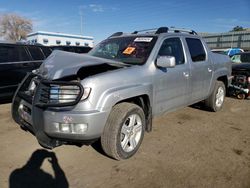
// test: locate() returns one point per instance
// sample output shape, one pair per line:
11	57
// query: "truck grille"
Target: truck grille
45	93
58	93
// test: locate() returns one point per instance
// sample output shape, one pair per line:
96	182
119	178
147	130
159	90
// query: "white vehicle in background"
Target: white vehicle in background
228	51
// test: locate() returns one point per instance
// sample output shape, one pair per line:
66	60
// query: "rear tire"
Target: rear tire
241	96
124	131
215	101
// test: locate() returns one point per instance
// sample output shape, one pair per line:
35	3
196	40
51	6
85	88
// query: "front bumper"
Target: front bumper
44	122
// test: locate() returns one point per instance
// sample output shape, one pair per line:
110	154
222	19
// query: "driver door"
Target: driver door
171	84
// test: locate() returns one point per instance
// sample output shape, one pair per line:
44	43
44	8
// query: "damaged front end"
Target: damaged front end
45	101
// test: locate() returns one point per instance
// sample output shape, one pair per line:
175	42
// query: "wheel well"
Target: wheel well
224	80
144	102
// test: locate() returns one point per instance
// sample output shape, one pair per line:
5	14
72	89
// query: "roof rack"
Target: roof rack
167	29
159	31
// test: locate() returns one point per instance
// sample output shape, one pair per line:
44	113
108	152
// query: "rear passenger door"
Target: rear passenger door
201	69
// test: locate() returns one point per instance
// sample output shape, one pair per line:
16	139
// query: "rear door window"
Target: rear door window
13	54
196	49
36	53
5	53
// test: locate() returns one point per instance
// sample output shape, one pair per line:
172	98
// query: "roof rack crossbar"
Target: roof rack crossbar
157	30
140	31
116	34
178	30
162	30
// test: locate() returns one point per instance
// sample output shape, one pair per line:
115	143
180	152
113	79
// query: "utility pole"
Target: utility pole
81	20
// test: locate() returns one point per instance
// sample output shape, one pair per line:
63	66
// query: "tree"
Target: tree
14	27
238	28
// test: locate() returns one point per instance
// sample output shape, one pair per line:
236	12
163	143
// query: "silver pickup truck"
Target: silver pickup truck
114	91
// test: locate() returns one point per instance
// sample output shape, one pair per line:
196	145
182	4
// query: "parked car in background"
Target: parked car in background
15	61
229	51
240	87
243	57
75	49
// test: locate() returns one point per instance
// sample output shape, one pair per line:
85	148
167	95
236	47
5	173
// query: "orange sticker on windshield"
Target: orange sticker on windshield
129	50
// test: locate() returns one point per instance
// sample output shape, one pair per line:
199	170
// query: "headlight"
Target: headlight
67	93
60	93
86	92
64	94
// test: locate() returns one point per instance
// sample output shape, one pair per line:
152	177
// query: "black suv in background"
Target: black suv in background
15	61
75	49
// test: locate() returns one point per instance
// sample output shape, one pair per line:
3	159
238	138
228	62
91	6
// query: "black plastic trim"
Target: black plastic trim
46	84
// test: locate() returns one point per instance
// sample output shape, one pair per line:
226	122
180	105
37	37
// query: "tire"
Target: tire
215	101
125	126
241	96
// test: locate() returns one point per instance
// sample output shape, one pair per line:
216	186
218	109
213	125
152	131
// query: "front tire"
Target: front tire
124	131
215	101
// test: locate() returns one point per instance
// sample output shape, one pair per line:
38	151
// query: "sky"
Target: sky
102	18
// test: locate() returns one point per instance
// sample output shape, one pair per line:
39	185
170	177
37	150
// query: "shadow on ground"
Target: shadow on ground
31	174
199	106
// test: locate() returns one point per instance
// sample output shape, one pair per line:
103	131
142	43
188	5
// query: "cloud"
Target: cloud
97	8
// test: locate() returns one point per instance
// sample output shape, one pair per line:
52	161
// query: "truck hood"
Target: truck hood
62	64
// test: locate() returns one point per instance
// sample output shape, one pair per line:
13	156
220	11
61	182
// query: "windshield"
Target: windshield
131	50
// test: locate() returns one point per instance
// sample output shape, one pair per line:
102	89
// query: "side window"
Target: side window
173	47
196	49
46	51
36	53
4	53
13	54
21	54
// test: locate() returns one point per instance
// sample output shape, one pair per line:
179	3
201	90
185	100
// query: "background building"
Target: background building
57	39
238	39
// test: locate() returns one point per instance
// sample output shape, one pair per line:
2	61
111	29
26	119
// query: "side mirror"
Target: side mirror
165	61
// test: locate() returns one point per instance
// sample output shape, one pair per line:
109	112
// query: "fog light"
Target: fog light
74	128
65	128
80	128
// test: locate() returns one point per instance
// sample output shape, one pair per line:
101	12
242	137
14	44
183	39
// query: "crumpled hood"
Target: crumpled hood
61	64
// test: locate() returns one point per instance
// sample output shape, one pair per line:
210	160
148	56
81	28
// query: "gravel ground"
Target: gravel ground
187	148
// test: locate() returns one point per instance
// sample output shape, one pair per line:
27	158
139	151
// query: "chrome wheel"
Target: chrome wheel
131	132
220	95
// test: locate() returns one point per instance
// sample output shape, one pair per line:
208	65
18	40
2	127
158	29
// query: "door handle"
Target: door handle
186	74
209	70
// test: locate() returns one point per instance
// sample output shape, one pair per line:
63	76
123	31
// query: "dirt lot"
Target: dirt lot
187	148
